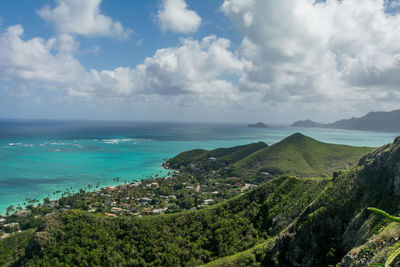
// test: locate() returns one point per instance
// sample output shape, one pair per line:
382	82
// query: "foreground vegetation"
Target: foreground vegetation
318	219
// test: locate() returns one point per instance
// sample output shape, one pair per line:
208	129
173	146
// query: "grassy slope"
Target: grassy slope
336	228
301	156
229	155
188	238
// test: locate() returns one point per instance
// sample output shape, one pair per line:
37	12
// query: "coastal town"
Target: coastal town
192	187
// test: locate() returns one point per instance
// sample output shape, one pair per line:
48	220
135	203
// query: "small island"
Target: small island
258	125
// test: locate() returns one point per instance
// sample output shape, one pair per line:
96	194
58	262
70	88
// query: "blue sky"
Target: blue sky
176	60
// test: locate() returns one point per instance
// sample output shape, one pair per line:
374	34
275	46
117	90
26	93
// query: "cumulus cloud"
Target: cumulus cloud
34	59
294	55
193	72
175	16
317	52
82	18
194	68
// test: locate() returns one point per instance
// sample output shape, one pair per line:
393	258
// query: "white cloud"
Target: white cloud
333	51
83	18
33	60
192	73
194	68
295	56
66	43
174	15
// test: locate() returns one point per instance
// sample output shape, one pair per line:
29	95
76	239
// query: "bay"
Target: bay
39	157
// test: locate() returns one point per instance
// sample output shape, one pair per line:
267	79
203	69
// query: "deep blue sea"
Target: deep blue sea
38	158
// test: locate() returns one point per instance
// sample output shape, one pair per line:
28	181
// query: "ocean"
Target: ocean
39	157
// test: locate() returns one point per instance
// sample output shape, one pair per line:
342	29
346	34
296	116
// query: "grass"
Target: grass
245	258
301	156
228	155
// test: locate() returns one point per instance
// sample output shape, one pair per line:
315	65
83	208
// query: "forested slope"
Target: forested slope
188	238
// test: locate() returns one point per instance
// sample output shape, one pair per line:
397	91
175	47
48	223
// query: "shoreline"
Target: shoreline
102	185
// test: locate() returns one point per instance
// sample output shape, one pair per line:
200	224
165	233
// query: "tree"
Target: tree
9	210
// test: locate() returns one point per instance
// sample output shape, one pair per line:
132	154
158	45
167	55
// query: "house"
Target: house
22	213
116	210
152	185
110	188
159	210
136	184
11	227
51	204
252	186
208	201
144	199
13	224
237	185
146	212
266	174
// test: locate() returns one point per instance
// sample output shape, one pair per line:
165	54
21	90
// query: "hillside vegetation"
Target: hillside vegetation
286	221
188	238
297	155
336	228
301	156
13	248
227	155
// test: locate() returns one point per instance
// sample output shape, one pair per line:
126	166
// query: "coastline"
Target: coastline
34	169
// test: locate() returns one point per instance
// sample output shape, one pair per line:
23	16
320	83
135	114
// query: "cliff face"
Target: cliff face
382	168
331	228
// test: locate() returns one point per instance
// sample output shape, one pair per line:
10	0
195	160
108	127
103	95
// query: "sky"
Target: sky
209	60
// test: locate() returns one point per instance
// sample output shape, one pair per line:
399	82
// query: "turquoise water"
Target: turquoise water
38	158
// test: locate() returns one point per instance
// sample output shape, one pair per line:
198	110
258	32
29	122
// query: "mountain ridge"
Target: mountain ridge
373	121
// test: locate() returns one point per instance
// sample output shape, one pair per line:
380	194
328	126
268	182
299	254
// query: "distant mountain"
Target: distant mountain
258	125
373	121
306	123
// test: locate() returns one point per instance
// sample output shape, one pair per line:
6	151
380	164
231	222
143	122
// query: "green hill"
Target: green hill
336	229
227	155
301	156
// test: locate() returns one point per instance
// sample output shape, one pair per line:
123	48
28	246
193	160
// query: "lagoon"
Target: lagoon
39	157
